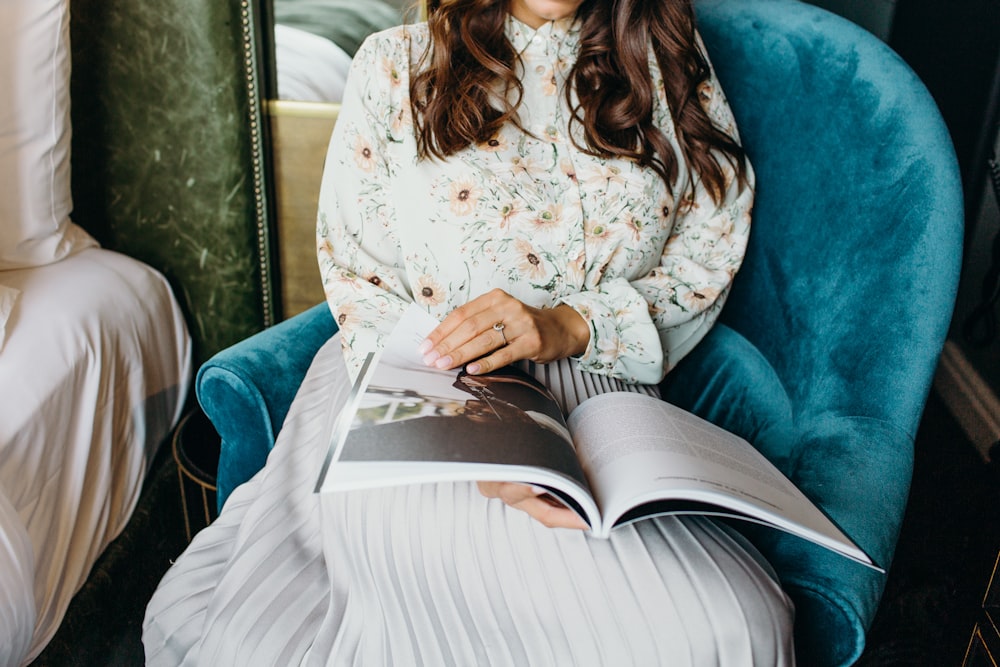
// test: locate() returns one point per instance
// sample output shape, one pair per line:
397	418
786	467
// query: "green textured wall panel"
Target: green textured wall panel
165	158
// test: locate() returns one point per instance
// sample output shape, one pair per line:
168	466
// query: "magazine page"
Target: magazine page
414	424
640	451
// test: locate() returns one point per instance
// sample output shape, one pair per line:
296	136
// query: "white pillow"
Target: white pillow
35	198
310	68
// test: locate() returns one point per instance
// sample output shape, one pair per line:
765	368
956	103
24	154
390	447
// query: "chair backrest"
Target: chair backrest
849	282
856	246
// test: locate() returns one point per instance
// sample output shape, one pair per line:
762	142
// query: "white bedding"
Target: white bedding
8	295
310	68
93	375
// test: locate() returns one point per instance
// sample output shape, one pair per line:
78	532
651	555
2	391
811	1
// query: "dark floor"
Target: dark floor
946	553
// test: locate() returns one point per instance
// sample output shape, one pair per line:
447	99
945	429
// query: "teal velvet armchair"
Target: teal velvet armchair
827	347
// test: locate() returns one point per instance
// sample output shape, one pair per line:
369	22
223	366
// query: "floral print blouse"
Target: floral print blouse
647	266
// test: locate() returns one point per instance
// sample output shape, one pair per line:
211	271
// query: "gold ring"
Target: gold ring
498	327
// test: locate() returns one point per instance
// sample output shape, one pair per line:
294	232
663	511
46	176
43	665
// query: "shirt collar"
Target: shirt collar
553	36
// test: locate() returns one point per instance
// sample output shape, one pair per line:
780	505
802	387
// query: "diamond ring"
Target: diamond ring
498	327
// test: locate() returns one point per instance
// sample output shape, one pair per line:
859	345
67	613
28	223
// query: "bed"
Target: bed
95	370
95	353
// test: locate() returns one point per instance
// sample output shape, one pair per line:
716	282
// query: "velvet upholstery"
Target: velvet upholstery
246	391
827	347
848	286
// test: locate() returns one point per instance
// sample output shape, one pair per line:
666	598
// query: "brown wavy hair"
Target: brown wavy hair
470	55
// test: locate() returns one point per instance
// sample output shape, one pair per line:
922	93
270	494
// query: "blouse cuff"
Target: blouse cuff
624	342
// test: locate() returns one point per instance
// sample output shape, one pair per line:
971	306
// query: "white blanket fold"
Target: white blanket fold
93	375
8	296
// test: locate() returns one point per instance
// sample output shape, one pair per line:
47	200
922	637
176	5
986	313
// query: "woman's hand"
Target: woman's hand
536	502
496	329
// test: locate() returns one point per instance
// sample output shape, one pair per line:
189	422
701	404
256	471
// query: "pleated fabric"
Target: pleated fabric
436	574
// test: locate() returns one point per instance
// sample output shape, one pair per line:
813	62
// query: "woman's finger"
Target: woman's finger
470	331
536	502
500	357
551	515
450	354
460	316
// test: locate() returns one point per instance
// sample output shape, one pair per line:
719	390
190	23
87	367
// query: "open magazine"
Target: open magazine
619	457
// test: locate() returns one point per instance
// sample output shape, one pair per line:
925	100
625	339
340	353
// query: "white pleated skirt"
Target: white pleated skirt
436	574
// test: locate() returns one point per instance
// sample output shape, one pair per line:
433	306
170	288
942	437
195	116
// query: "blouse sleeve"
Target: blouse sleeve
640	329
360	260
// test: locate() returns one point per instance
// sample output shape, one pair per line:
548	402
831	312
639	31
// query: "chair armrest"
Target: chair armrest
246	389
856	469
835	598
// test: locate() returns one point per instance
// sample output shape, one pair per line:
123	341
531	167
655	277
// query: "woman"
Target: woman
560	182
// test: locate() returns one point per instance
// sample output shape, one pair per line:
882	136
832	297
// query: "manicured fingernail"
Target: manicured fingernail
425	347
429	359
538	490
443	362
472	368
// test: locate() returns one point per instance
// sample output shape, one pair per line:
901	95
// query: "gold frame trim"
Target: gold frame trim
252	76
301	109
